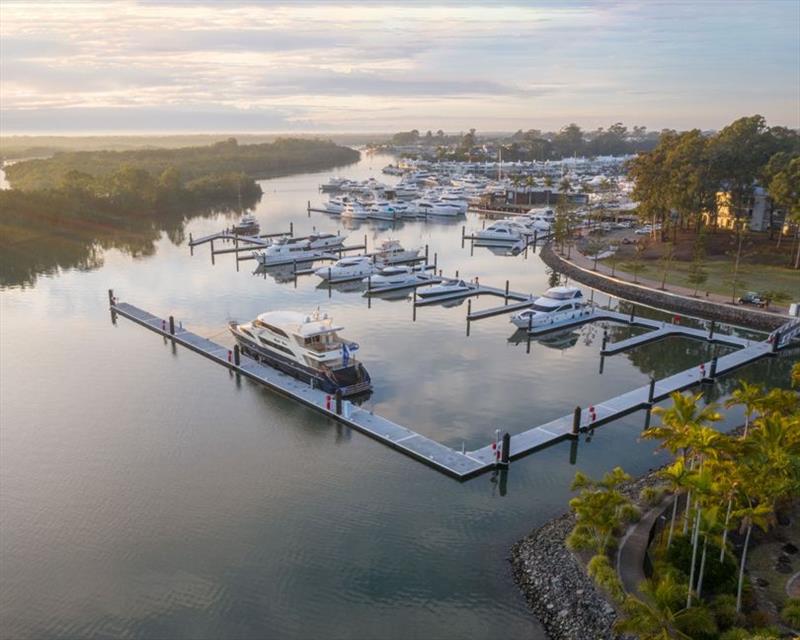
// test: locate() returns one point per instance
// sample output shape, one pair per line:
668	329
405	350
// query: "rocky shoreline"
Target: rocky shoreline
554	581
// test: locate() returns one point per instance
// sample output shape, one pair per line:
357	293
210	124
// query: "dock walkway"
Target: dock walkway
459	465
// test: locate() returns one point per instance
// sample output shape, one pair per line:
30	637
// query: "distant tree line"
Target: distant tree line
61	212
281	157
533	144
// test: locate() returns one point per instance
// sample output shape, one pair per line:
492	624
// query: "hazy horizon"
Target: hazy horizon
161	68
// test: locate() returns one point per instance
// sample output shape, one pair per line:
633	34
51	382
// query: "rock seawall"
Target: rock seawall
740	316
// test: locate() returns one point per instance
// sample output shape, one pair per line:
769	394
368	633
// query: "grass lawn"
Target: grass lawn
753	277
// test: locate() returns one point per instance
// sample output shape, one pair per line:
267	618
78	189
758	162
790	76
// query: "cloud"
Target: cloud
385	65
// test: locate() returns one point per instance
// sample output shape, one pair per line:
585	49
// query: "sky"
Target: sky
227	66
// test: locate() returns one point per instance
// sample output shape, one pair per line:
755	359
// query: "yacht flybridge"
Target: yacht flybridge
307	347
556	305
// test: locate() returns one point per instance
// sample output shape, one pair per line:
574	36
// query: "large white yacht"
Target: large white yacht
348	268
324	240
284	250
500	231
445	288
395	276
354	209
391	251
556	305
307	347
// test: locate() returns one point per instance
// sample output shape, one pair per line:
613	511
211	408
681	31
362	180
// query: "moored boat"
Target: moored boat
558	304
307	347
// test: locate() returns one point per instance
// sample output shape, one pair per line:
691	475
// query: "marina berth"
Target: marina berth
307	347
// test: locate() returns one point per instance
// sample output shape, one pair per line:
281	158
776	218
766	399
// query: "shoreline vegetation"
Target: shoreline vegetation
695	527
63	211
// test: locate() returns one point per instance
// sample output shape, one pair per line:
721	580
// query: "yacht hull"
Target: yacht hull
351	380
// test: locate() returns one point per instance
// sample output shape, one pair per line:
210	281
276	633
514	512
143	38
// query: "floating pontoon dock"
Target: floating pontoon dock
465	464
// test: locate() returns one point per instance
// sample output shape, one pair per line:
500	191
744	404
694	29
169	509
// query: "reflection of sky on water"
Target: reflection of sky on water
147	492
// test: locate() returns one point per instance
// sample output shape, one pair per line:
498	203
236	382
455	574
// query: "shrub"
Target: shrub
698	623
757	619
604	575
719	577
651	495
791	613
724	609
736	633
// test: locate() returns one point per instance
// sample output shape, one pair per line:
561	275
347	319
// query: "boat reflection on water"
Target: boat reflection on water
351	286
281	273
560	340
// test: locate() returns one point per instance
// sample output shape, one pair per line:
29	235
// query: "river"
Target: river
145	492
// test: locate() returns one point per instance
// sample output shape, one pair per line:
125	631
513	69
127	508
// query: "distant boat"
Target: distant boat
447	287
247	225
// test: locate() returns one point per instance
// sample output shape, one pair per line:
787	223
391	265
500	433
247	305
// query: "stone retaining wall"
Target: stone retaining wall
740	316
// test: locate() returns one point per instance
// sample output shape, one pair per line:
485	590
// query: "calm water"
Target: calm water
145	492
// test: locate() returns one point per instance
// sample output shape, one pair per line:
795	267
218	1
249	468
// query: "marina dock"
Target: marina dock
467	464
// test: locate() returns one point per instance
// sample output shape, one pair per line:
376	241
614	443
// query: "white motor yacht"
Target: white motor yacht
336	204
348	269
382	210
447	287
395	276
307	347
355	210
391	251
284	250
556	305
325	240
500	231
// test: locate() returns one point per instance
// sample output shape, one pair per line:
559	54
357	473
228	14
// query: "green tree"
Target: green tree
600	509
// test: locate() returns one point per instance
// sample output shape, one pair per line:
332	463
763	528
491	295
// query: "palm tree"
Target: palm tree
749	396
752	514
655	617
679	426
676	476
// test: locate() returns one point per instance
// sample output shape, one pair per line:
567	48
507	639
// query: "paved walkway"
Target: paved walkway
633	548
585	262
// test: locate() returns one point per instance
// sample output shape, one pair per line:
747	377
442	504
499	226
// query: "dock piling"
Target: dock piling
171	326
651	391
506	293
713	370
505	450
576	422
110	297
711	331
633	312
435	261
236	355
426	254
291	228
338	402
605	340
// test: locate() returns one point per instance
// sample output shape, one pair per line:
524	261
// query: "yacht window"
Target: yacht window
276	346
269	327
541	307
